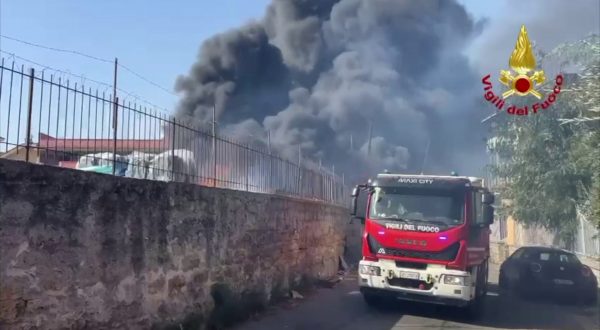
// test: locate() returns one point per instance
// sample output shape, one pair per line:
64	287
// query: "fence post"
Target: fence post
115	113
299	184
115	125
173	152
247	168
214	144
333	185
321	181
582	233
29	112
270	178
343	186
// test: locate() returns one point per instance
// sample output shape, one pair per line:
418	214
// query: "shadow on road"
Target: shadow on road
507	311
342	308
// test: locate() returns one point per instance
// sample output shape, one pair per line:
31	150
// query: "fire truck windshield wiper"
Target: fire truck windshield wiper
395	219
441	223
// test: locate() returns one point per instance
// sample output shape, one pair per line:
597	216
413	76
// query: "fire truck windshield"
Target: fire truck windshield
417	205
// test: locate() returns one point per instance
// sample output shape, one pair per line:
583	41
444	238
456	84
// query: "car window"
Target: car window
517	254
552	256
544	256
566	258
527	254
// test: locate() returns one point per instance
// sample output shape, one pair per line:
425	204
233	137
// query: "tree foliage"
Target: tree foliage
586	145
550	160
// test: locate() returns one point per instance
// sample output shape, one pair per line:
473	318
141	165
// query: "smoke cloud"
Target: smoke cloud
549	23
317	74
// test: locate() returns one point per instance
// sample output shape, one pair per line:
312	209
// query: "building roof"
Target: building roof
18	153
101	145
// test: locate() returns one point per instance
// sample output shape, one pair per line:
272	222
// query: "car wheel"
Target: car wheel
524	291
591	299
502	281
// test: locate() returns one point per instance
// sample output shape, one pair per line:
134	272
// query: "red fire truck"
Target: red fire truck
425	239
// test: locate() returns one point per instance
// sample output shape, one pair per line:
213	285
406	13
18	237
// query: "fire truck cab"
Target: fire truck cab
425	239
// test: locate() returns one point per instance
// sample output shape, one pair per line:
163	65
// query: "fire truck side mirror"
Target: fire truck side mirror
488	213
353	211
355	193
488	198
361	219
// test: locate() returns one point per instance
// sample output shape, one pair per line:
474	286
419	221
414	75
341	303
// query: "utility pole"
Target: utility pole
351	143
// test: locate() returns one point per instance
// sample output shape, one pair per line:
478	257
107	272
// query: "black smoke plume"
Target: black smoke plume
316	74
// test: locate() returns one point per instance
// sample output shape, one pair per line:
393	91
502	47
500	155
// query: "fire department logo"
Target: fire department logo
522	61
522	80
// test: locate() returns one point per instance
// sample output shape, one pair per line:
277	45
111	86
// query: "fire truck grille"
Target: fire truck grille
448	254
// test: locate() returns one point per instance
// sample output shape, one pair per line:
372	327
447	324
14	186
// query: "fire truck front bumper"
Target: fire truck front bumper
431	283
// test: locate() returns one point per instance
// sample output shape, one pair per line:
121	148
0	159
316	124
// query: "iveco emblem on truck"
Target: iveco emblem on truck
412	242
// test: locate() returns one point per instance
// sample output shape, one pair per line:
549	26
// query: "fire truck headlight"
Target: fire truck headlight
454	280
370	270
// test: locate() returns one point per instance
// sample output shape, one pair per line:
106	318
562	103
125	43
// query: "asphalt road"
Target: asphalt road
342	307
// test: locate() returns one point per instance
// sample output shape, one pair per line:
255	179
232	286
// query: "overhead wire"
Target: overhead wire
56	49
96	58
145	79
84	78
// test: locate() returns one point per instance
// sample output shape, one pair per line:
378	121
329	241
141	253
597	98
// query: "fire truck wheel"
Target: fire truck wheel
484	276
372	299
474	310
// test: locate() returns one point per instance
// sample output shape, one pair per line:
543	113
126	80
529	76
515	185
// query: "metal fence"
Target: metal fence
50	120
586	241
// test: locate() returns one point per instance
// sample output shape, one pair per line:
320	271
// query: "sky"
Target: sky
160	40
157	39
548	22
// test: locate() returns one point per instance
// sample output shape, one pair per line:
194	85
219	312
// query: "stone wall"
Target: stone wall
83	250
498	252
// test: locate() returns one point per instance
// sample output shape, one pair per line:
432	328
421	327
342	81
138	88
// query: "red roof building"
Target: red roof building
66	152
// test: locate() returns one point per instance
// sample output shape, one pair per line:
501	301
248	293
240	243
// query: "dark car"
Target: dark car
536	271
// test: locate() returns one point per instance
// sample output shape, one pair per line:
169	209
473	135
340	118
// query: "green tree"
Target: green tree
550	161
585	153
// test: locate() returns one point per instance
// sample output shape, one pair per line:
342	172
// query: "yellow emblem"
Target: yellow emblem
522	62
